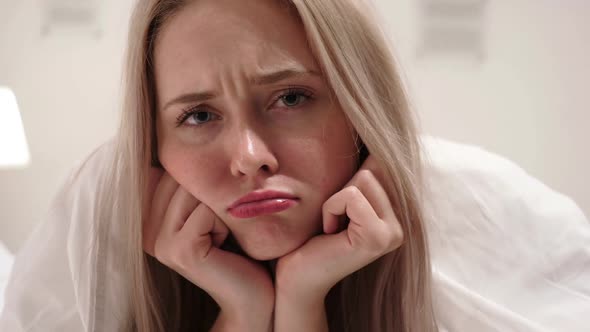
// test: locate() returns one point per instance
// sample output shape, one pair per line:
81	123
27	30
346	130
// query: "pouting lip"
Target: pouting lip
260	196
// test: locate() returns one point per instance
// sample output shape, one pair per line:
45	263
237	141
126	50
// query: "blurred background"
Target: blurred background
509	76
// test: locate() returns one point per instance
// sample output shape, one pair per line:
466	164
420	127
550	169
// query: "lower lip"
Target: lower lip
259	208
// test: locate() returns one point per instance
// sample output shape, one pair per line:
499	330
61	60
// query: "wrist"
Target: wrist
300	313
298	292
244	321
300	302
300	299
247	308
290	288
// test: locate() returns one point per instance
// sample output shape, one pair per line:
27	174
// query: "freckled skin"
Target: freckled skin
254	142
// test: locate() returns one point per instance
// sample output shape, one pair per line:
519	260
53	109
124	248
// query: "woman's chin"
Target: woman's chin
269	239
272	249
269	252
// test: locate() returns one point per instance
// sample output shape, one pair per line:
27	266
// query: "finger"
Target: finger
372	189
220	273
377	197
337	257
345	258
219	232
203	221
182	204
351	202
330	219
205	226
166	189
157	203
380	173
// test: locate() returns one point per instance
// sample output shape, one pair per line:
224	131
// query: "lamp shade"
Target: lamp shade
14	152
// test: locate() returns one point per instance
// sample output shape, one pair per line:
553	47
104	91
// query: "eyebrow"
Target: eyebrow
195	97
264	79
281	75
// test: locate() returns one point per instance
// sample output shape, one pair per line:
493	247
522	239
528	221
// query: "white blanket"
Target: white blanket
6	259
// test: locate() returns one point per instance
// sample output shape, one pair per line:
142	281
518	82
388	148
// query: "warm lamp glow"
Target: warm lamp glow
14	152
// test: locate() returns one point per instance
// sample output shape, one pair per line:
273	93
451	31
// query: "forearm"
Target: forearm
300	315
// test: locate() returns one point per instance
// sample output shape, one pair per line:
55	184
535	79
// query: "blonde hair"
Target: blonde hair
390	294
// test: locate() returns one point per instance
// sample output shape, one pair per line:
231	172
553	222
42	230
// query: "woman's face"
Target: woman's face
243	108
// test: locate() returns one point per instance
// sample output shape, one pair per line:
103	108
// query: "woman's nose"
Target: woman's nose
251	155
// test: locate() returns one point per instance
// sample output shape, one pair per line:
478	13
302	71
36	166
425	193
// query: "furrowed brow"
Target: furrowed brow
195	97
281	75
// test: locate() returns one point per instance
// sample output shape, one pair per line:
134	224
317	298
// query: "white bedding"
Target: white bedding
6	259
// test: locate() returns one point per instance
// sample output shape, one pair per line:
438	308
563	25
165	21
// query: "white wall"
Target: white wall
67	85
526	101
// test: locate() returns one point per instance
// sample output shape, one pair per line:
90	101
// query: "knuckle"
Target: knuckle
396	238
354	192
400	236
161	253
384	241
365	176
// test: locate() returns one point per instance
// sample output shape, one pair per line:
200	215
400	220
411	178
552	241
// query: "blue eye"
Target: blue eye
194	117
200	117
294	97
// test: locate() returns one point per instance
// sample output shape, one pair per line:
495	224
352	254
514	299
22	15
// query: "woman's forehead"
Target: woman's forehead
211	37
205	27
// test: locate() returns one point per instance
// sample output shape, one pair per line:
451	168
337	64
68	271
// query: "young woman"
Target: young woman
267	176
260	114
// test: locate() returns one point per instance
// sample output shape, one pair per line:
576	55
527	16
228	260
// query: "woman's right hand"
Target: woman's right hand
186	235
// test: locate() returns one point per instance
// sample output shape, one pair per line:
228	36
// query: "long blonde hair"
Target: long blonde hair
392	293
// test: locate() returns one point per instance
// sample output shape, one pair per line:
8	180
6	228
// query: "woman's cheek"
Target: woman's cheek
196	172
206	183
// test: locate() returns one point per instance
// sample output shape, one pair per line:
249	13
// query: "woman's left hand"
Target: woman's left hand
308	273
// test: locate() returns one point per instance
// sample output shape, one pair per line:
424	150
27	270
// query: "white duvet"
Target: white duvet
508	253
6	259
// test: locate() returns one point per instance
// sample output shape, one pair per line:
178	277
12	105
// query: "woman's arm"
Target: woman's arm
227	322
293	312
305	276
